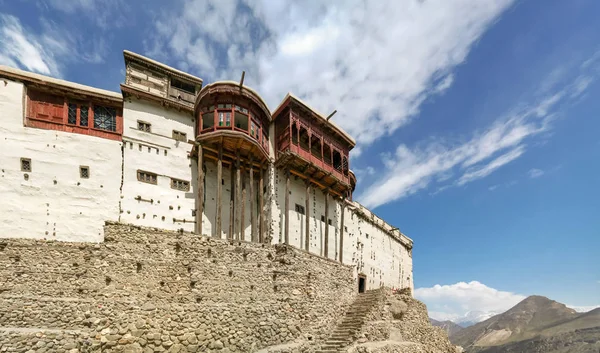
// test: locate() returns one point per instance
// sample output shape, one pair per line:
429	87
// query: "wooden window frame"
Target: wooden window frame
179	136
83	175
174	184
144	126
140	173
28	161
40	101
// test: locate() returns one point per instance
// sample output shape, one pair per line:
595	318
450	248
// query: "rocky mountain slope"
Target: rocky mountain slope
449	326
537	324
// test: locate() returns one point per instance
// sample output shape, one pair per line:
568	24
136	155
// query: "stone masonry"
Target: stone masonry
148	290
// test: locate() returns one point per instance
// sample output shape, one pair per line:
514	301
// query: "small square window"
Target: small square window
26	164
322	218
180	185
146	177
179	136
144	126
300	209
330	222
84	172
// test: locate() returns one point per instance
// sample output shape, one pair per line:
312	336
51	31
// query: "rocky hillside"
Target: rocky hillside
450	327
537	324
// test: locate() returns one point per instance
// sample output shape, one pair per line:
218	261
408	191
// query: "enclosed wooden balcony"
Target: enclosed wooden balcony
234	117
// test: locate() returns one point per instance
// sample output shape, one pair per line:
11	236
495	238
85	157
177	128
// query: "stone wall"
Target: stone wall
145	290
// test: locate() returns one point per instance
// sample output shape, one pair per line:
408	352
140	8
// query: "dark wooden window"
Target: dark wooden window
179	136
84	172
105	118
180	184
84	111
26	164
72	118
184	86
146	177
300	209
144	126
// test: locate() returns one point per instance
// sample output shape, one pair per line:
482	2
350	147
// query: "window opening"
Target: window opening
144	126
184	86
315	146
179	136
224	118
105	118
300	209
337	160
180	185
72	118
26	164
327	154
304	138
84	172
146	177
83	115
208	120
294	134
241	121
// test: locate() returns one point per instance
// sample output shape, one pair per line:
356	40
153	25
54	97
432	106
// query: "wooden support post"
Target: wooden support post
307	211
243	208
261	226
238	195
342	232
326	246
219	192
287	206
200	208
252	202
232	202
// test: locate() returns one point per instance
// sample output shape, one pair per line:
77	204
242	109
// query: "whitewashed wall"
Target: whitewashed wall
54	203
159	153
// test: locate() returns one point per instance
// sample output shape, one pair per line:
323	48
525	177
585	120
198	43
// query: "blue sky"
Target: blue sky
476	120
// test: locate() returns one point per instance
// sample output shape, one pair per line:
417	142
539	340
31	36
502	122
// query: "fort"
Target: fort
182	217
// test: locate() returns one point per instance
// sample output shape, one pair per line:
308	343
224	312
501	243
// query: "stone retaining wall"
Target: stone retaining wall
147	290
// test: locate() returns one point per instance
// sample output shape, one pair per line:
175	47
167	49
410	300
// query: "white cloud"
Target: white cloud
374	61
19	48
465	301
48	51
583	309
410	170
535	173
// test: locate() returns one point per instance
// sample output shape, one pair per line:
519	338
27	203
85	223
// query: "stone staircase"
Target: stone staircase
345	333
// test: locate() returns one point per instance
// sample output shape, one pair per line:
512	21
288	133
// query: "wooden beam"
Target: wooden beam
252	203
243	208
242	80
287	206
321	186
342	232
330	115
326	246
200	208
232	203
238	195
219	192
228	155
307	211
261	226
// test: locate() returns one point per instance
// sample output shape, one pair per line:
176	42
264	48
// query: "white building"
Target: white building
74	157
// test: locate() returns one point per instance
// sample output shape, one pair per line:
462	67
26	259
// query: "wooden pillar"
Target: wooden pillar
342	232
200	208
252	202
287	206
261	226
326	246
243	208
307	211
219	192
232	202
238	195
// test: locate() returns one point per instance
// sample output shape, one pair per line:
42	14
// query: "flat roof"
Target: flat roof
131	54
317	113
11	72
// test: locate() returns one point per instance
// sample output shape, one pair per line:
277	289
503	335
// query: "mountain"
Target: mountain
449	326
535	321
473	317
